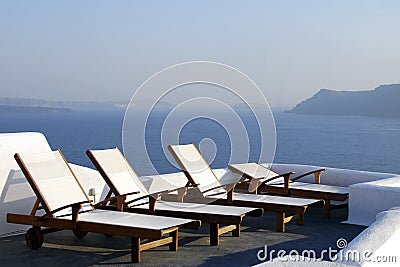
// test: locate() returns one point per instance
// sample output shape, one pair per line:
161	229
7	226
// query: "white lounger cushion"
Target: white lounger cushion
267	199
292	201
316	187
199	208
131	219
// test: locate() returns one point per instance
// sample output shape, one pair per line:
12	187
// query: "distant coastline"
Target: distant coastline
18	104
383	101
4	109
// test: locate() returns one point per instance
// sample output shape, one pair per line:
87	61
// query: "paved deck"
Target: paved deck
64	249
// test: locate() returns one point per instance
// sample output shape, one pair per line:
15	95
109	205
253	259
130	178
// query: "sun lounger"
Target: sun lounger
207	187
122	179
259	178
67	207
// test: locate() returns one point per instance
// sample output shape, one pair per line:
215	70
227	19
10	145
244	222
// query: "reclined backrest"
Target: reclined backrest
195	167
118	173
51	179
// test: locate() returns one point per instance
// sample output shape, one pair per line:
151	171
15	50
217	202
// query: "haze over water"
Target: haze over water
349	142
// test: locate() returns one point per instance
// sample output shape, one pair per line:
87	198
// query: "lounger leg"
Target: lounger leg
327	208
280	222
173	246
300	219
214	237
135	250
236	232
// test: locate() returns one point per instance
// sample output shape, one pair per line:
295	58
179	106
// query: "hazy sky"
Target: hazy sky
103	50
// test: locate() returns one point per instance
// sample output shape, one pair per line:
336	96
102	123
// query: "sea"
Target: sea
349	142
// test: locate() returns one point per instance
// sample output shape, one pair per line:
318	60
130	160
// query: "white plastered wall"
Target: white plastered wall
16	194
332	176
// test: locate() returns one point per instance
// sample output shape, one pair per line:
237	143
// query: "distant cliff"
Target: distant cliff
68	105
21	109
28	102
383	101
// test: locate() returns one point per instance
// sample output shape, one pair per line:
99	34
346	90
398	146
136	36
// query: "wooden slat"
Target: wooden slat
302	193
120	230
226	229
169	230
156	243
32	220
109	229
318	194
50	230
288	219
276	190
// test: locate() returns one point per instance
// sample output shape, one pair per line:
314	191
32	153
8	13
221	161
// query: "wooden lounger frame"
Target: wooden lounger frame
231	223
81	228
284	213
286	190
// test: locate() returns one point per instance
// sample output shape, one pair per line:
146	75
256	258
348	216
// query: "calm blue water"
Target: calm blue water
344	142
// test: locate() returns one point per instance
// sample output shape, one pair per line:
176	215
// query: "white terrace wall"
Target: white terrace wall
332	176
16	196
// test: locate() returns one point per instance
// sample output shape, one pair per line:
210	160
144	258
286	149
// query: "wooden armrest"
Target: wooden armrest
114	198
229	198
189	184
73	205
216	194
152	202
318	172
139	198
277	176
151	196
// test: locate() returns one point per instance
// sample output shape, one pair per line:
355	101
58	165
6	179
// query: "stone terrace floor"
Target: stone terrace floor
64	249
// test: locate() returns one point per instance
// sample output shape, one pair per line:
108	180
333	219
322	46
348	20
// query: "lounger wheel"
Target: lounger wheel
79	234
34	238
